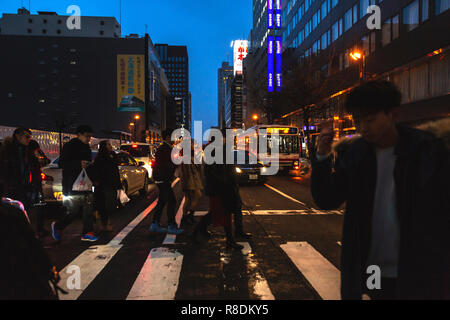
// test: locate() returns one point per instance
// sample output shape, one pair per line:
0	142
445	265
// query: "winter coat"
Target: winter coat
191	176
25	270
422	184
73	153
164	168
107	175
221	181
20	173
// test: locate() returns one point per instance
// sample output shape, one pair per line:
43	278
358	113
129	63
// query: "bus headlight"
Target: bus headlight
238	170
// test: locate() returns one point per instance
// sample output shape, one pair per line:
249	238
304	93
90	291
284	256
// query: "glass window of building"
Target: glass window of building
348	19
425	10
395	27
363	5
411	16
324	9
355	13
442	5
386	32
335	31
334	3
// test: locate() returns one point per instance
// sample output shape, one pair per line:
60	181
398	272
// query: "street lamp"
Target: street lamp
134	124
255	117
360	57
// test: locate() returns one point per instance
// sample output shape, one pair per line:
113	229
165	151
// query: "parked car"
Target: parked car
247	172
142	152
133	175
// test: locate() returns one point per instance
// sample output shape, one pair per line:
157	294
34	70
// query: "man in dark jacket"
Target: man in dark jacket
20	176
395	182
164	174
76	156
26	269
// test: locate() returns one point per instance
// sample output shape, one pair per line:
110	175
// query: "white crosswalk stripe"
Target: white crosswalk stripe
320	273
93	260
159	277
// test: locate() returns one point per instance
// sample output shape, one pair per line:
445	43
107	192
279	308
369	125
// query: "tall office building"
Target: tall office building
224	74
47	23
69	80
175	61
234	103
408	50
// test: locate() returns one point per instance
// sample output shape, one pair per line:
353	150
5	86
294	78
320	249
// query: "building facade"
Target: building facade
234	103
61	82
223	75
51	24
410	49
175	61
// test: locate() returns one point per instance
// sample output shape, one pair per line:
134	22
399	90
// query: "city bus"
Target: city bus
287	139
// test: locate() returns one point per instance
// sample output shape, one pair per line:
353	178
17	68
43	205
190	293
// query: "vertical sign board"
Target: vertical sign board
240	52
278	64
278	14
270	62
270	14
130	83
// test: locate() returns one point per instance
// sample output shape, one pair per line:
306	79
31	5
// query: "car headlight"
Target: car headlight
238	170
263	170
296	163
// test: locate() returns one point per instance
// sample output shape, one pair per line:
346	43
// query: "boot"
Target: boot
238	226
231	244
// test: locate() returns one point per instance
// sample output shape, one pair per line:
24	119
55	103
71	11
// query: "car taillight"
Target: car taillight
46	177
150	163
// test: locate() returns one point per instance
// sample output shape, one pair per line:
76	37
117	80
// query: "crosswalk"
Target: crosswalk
158	277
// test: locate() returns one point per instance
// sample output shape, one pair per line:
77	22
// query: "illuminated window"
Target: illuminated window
411	16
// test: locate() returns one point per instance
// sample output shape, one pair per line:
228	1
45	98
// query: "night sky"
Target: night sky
207	27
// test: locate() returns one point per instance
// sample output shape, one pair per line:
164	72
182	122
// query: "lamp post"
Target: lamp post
136	118
360	57
255	117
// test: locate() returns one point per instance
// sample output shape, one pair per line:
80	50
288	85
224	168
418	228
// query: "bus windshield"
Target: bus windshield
287	144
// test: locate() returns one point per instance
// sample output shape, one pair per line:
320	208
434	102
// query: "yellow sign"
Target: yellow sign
278	130
131	83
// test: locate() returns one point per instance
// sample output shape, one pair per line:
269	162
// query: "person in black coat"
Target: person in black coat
20	176
26	268
77	155
395	182
107	183
164	174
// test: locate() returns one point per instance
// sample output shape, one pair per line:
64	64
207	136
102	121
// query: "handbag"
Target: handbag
82	183
122	196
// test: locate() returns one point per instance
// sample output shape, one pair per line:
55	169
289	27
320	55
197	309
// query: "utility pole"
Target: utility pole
147	87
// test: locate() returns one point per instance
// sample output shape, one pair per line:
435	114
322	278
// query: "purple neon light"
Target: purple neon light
270	63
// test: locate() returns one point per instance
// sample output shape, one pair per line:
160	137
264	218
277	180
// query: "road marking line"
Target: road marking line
320	273
288	212
92	261
200	213
284	195
159	277
257	281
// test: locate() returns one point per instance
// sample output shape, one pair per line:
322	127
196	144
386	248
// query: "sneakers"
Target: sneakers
55	233
173	229
90	236
156	228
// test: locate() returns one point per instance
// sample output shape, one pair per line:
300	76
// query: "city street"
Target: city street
294	252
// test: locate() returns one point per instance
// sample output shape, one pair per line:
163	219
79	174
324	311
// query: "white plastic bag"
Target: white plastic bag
82	183
122	196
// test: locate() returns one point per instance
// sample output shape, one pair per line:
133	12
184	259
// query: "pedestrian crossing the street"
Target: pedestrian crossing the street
159	276
161	272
